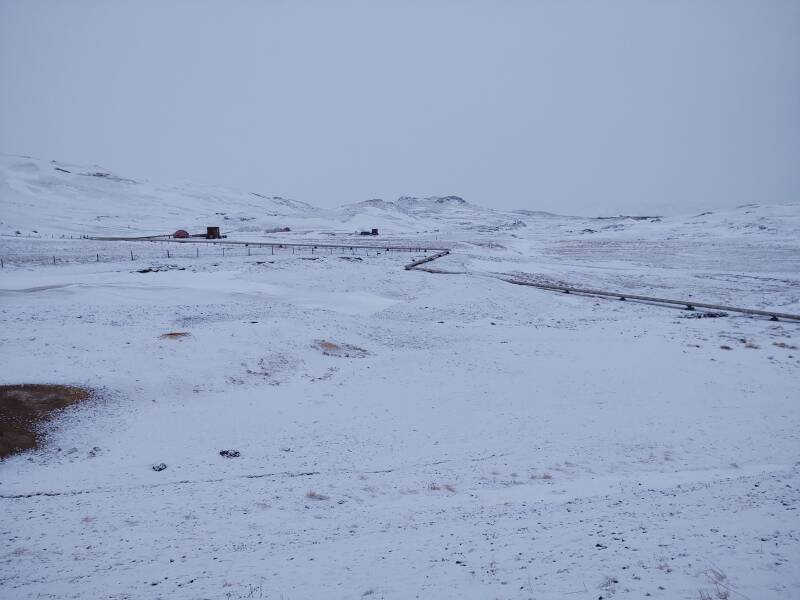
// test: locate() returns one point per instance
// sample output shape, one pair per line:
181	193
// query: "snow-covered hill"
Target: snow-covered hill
50	197
53	197
397	433
40	197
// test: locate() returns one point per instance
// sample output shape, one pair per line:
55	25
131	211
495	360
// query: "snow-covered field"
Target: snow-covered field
402	434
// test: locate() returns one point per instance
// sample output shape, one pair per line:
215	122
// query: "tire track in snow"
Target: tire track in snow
288	474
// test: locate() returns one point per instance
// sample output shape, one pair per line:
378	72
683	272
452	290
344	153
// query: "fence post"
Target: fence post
54	260
131	254
197	250
98	257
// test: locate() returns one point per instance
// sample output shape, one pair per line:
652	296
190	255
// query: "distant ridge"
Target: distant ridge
58	197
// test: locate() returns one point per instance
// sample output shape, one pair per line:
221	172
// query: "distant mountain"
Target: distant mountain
65	198
55	197
39	197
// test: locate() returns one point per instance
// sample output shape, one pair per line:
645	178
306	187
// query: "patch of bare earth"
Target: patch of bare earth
174	335
341	350
24	406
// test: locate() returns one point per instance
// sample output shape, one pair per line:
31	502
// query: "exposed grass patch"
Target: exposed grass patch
24	406
329	348
174	335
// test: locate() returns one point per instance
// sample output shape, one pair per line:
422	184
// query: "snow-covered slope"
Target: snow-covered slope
40	197
473	440
398	433
52	197
49	197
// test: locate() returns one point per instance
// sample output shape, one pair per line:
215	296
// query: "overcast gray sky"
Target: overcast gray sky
574	107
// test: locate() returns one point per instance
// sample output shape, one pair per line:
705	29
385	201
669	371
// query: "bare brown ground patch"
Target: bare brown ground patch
24	406
174	335
329	348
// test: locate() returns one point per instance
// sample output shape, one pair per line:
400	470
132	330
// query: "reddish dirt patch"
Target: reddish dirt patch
24	406
174	335
340	350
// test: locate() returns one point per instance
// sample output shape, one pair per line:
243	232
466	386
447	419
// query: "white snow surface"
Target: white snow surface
92	200
469	438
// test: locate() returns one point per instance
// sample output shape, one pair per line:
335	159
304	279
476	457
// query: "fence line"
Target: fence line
225	249
313	245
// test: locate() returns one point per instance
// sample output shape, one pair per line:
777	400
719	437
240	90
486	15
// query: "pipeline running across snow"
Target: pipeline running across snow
569	289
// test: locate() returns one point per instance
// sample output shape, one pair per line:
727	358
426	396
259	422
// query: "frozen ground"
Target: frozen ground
466	438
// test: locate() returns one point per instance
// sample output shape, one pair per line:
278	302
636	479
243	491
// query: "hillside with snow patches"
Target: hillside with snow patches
302	422
42	197
57	198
